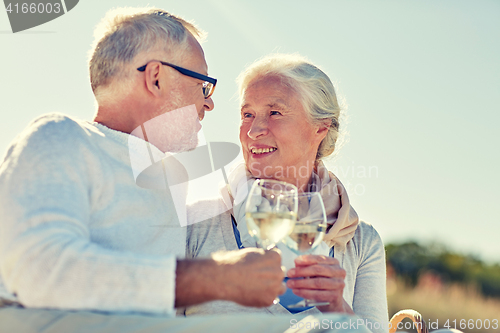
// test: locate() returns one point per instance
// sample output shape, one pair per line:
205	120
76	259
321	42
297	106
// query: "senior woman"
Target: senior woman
289	122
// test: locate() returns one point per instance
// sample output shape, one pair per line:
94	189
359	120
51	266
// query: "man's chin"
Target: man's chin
190	149
184	147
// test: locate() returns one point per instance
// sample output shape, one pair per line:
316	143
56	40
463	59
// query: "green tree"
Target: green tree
410	260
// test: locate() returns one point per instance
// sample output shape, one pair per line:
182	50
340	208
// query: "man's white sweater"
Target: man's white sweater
76	232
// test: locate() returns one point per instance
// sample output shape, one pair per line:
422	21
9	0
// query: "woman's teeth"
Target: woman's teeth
262	150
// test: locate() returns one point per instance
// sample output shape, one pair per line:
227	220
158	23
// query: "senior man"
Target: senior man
78	233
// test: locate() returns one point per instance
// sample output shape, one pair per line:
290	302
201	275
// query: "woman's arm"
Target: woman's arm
370	298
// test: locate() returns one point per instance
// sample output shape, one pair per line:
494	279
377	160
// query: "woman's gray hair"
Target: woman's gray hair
314	88
126	32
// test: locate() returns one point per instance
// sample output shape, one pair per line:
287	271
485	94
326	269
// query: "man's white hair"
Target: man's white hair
313	87
126	32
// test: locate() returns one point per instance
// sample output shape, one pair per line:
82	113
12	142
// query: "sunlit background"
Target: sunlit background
420	79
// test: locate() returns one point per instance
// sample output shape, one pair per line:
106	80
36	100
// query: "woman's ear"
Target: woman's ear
324	127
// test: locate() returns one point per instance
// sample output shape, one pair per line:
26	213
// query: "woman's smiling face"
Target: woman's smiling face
277	137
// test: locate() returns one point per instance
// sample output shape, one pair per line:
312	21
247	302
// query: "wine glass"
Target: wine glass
308	232
271	211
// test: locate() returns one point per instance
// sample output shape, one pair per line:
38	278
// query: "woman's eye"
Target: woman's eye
246	115
273	113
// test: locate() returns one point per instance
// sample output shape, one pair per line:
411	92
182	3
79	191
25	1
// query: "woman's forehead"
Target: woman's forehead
268	91
270	102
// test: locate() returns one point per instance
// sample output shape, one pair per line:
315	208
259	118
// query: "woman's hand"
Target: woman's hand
323	281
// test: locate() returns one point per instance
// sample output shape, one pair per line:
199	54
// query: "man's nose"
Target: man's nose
209	104
258	129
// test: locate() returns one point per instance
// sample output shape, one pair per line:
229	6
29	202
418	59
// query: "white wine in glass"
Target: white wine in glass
271	211
270	228
306	236
308	232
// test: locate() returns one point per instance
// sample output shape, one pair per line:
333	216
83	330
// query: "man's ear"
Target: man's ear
152	78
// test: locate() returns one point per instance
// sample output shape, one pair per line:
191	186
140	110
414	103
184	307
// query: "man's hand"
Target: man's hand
323	281
250	277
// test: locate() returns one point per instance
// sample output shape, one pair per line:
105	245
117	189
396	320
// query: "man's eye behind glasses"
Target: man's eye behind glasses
246	115
206	88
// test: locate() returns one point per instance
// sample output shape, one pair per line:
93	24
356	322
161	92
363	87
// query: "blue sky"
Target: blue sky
421	81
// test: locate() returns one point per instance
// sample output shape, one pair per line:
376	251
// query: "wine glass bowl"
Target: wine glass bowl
271	211
308	232
306	236
310	226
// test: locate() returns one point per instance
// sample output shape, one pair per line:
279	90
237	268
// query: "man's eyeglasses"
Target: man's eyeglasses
208	85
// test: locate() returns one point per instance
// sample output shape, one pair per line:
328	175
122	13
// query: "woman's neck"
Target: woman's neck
300	180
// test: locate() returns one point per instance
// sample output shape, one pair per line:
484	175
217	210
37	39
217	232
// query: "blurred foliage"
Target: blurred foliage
410	260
